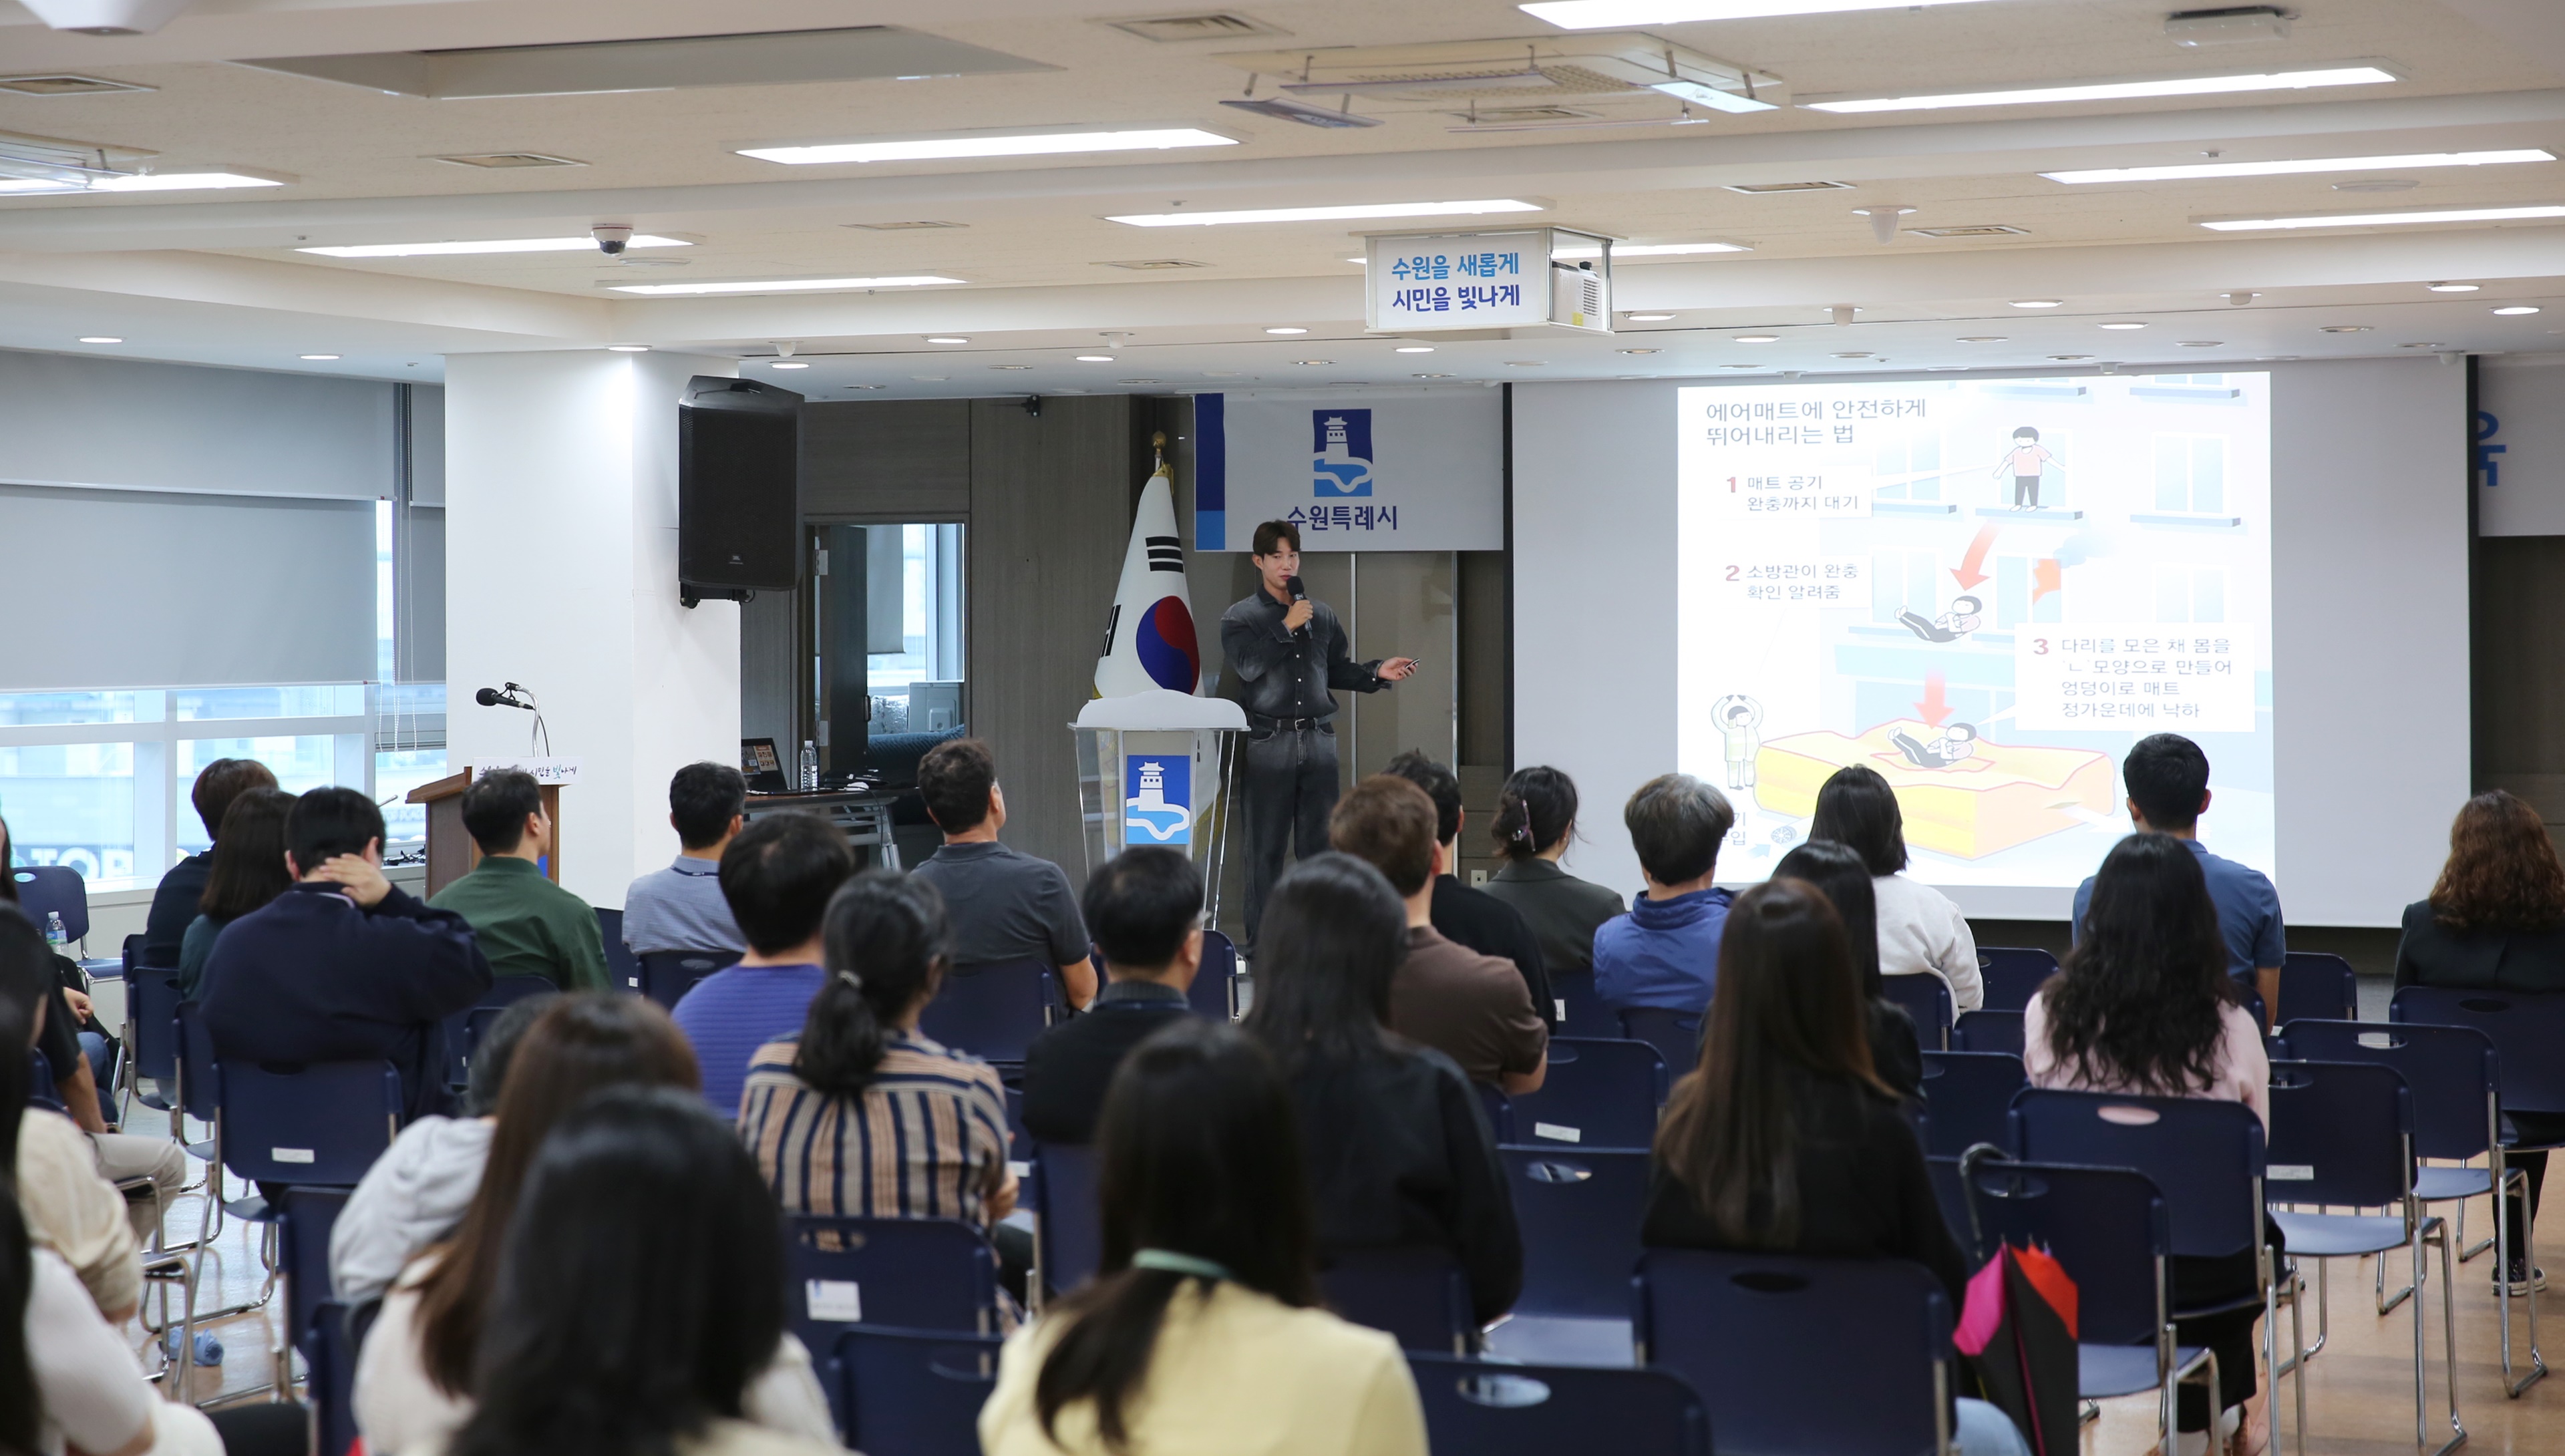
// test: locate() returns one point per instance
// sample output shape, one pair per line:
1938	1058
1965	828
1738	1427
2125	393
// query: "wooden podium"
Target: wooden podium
450	851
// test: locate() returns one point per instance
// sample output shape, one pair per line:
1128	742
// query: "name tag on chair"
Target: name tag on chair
2290	1173
1557	1134
288	1154
838	1301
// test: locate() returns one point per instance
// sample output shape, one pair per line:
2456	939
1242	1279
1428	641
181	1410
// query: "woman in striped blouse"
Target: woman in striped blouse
861	1116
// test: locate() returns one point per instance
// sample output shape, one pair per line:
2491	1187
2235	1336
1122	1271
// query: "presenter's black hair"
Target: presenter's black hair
954	778
1858	808
1142	905
1439	784
1676	823
703	798
778	876
888	942
2167	775
1270	533
327	823
1334	936
1535	810
1843	877
496	806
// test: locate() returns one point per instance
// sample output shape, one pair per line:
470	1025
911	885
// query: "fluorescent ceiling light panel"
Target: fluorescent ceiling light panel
182	182
582	244
784	285
2109	91
1654	250
1712	97
1602	14
1002	144
2298	166
1355	212
2383	219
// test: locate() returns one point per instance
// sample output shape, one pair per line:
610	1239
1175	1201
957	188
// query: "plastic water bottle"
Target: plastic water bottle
55	934
809	767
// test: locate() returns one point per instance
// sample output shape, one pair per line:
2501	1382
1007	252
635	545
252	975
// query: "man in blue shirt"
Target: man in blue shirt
778	876
681	908
1665	952
2168	780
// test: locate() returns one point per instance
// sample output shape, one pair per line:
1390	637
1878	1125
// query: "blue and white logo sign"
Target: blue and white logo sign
1157	802
1340	452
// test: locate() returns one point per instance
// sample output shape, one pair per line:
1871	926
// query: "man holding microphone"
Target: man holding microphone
1290	653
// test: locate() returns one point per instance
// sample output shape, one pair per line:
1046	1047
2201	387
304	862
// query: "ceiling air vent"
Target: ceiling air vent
66	86
501	160
1516	115
1154	265
1530	71
1216	26
1979	230
920	225
1757	189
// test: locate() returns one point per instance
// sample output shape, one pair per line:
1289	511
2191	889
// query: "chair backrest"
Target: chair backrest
2204	1157
465	1028
1927	1000
1581	1013
2107	1228
40	1082
1579	1210
992	1011
1211	996
1596	1093
2526	1028
915	1392
1987	1031
2342	1133
920	1272
304	1217
329	1357
198	1098
1967	1098
1764	1339
1500	1109
321	1125
667	975
1674	1034
152	1011
1072	1231
2453	1074
2315	985
2011	973
45	889
622	972
1416	1293
1482	1410
1951	1197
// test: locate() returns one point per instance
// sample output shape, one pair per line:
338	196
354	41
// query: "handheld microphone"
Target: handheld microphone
1298	593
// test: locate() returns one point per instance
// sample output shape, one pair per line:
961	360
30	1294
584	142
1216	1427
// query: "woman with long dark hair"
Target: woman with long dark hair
1920	931
1845	879
1535	825
2143	1005
639	1293
1202	1327
1397	1143
247	870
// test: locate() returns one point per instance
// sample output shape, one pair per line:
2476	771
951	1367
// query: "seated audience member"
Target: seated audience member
861	1116
1466	916
526	925
681	908
778	876
423	1185
1843	877
1145	910
1535	822
2145	1004
1006	905
428	1355
344	966
1665	952
1919	931
83	1064
1394	1138
1473	1007
174	903
1204	1328
248	872
69	1208
2496	921
2167	781
1783	1139
638	1305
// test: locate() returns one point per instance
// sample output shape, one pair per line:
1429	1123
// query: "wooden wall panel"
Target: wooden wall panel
774	673
886	460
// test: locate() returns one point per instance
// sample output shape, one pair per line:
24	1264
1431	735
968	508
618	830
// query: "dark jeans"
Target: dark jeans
2198	1280
2533	1128
1290	786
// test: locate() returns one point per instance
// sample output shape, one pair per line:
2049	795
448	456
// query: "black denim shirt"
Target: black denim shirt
1289	674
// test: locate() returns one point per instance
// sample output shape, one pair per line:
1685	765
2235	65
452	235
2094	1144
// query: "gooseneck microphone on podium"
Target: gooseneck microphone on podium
518	695
491	697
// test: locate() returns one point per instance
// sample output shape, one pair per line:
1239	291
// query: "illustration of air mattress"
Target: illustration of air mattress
1982	804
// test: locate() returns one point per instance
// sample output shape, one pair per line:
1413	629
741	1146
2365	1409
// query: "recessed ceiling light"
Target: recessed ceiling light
1647	318
2296	166
582	244
100	339
1011	366
1757	339
2514	311
2377	184
213	177
787	285
1060	142
1526	363
2108	90
1429	376
61	83
1982	338
317	356
1140	382
946	339
627	348
2383	219
2452	287
1602	14
1352	213
1852	353
1095	358
1429	348
1766	189
506	160
1642	351
1315	362
1740	366
1287	329
2037	303
789	364
2199	344
2434	345
1945	368
2125	324
2069	358
2346	328
912	225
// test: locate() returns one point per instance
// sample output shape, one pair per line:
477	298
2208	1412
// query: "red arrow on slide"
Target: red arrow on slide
1933	709
1968	573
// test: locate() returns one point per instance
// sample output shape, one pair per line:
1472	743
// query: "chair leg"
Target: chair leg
2386	1303
2515	1185
2298	1338
2467	1254
2448	1334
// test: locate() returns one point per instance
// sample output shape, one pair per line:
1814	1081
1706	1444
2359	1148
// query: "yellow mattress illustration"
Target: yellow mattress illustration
2000	797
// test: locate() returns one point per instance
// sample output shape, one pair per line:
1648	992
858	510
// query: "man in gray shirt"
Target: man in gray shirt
1006	905
681	908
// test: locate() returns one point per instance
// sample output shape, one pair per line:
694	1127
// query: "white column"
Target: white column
561	555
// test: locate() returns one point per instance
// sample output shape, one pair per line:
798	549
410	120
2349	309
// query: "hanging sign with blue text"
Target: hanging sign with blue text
1380	470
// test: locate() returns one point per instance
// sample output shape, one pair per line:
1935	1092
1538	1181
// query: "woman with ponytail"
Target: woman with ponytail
1535	822
1202	1329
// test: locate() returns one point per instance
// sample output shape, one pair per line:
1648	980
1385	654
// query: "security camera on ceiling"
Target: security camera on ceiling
612	237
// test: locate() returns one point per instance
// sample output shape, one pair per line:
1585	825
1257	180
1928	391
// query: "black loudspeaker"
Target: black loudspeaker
739	499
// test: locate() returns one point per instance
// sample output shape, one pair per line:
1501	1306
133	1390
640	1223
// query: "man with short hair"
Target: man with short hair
1467	916
344	966
173	904
1473	1007
1144	907
681	908
526	925
1665	952
778	875
1006	905
2167	781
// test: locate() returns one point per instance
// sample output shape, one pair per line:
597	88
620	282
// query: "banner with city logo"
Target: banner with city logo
1367	470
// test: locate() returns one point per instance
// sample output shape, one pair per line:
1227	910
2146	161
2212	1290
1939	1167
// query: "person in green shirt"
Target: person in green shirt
526	925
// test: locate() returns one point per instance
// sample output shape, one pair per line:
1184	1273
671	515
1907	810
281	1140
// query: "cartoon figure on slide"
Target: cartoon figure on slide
1738	716
1958	741
2025	462
1966	615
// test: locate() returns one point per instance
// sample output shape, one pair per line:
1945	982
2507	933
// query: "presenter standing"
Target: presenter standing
1290	653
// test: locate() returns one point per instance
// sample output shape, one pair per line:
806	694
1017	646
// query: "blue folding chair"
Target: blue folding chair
1967	1096
1596	1093
2315	986
1987	1031
2012	974
622	972
1487	1410
912	1392
40	1083
1500	1109
992	1010
1579	1211
329	1363
1068	1242
1416	1293
304	1219
318	1126
1762	1337
1581	1013
199	1098
150	1042
1926	998
1214	996
53	889
465	1028
1674	1034
912	1272
665	976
